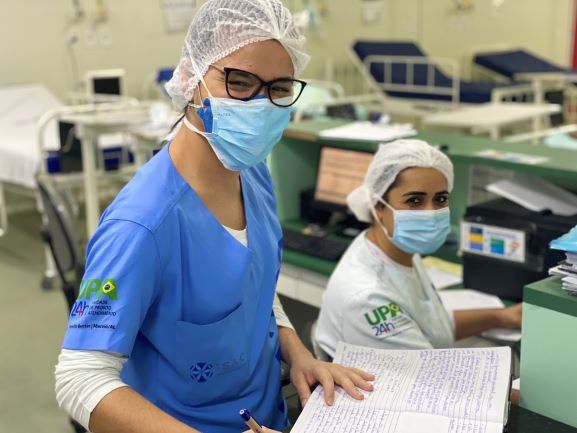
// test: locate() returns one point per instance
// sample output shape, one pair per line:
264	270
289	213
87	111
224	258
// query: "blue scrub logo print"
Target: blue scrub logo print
201	372
79	308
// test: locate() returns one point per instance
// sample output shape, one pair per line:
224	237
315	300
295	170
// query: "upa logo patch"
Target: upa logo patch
387	320
100	288
383	313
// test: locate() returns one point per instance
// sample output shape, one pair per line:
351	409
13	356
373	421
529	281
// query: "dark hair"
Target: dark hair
385	196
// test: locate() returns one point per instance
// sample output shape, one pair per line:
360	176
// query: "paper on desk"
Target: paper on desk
563	271
570	280
416	391
467	299
369	131
518	158
536	194
442	273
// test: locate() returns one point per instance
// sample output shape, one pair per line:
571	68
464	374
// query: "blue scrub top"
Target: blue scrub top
169	287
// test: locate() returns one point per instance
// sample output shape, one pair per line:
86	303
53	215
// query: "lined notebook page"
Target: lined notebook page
428	391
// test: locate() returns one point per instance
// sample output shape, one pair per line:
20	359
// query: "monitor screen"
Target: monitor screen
106	85
340	172
105	82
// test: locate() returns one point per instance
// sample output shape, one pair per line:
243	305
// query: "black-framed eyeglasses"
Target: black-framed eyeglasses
244	85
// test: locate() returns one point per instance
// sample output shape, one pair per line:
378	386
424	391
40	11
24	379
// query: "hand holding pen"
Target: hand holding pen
255	427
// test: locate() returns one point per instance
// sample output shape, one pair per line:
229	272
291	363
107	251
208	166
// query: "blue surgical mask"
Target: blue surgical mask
241	133
418	231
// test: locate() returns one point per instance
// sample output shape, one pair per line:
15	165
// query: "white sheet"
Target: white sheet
21	106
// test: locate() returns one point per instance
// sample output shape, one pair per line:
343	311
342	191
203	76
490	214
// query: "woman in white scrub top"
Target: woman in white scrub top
380	295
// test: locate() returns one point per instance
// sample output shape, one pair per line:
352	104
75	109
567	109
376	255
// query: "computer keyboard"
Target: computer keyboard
328	249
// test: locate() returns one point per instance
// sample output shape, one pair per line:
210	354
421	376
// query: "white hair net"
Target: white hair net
388	162
221	27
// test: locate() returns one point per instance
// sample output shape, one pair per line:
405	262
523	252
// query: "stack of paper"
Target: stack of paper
567	269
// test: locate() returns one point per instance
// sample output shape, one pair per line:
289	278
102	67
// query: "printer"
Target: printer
506	246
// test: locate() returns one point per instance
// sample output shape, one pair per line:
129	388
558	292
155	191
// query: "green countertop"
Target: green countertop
524	421
460	147
548	293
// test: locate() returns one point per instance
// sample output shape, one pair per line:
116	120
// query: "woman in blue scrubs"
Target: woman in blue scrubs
174	329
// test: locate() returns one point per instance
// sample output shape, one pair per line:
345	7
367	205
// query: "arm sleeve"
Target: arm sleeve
280	315
83	378
376	321
119	285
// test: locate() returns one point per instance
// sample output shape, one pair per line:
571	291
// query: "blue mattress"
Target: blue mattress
473	92
110	157
164	75
509	63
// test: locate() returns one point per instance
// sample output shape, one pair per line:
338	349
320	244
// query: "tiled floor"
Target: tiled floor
32	323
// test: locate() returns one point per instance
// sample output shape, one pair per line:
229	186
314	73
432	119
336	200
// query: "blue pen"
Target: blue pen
250	421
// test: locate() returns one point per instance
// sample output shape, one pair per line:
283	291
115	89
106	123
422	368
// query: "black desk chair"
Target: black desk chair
58	232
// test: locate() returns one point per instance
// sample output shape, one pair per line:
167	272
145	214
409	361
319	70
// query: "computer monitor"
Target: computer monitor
340	171
105	82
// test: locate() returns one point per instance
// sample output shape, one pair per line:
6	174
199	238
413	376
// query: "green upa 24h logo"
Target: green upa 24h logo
106	287
383	313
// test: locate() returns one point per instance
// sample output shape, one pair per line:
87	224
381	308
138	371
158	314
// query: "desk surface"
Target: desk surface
488	115
548	293
460	148
524	421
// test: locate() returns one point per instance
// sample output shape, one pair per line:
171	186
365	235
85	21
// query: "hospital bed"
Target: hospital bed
549	80
516	63
417	83
326	99
24	149
28	121
21	106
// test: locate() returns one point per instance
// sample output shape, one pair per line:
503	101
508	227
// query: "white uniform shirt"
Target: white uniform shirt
373	301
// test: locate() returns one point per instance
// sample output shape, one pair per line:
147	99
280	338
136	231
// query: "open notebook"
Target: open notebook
418	391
